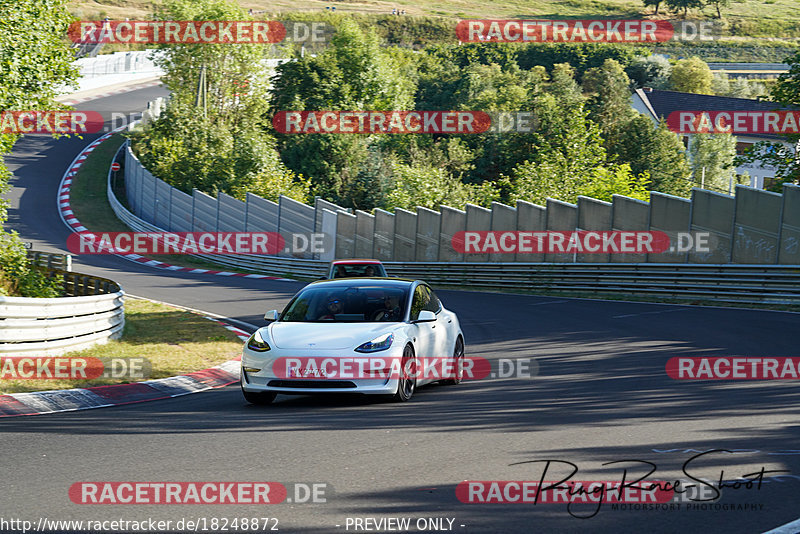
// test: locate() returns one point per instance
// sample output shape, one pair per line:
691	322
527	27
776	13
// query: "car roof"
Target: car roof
353	261
380	282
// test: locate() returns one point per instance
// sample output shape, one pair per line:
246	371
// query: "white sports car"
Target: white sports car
371	336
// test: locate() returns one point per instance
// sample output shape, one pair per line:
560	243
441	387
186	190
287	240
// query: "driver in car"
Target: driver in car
390	311
333	308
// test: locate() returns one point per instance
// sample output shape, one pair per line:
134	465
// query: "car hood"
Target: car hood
326	336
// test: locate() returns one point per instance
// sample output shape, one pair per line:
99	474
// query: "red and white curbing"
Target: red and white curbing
68	400
75	225
119	90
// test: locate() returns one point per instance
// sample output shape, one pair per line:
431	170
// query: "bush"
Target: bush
431	187
18	278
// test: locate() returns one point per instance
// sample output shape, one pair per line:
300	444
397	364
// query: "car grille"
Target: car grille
311	384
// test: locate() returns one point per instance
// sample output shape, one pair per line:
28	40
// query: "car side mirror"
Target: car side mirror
271	315
426	316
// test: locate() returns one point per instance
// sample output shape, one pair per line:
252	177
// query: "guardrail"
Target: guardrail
119	63
92	314
48	327
50	260
766	284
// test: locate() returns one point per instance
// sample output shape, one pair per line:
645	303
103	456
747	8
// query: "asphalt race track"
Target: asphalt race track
601	395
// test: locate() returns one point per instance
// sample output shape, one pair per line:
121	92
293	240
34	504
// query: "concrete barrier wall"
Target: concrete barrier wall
593	214
752	227
671	215
345	235
383	241
162	203
561	216
713	213
295	218
405	233
231	214
365	229
204	214
181	212
147	196
319	205
262	214
756	225
789	253
629	214
453	221
428	229
328	223
478	220
530	218
503	218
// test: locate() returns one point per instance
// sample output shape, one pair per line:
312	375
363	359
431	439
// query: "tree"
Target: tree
535	182
787	89
744	88
654	3
432	187
692	76
35	61
718	4
355	73
657	151
609	101
566	148
605	182
581	56
492	89
685	5
738	87
721	84
651	71
221	144
712	157
237	94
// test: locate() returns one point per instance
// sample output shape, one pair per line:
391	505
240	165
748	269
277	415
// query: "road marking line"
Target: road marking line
647	313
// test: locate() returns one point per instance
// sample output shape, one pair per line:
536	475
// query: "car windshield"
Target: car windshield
347	270
350	304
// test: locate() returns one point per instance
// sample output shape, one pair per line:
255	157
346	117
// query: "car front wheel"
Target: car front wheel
407	383
458	364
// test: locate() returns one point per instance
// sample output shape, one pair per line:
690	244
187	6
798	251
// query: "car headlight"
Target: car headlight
379	343
256	343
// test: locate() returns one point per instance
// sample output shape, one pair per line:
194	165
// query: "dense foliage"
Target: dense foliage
35	61
215	140
587	140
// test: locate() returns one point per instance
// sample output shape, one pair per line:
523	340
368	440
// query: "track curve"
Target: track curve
601	395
